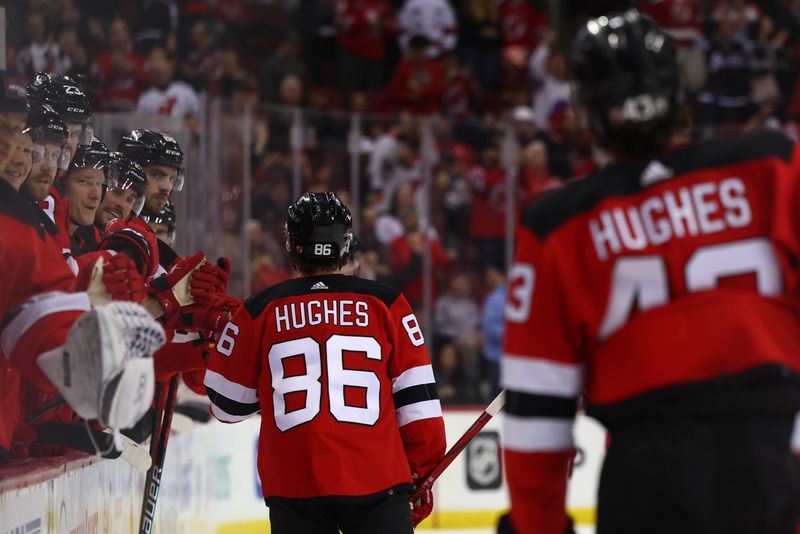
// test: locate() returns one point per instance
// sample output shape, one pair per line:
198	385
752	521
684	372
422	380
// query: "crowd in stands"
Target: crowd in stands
490	75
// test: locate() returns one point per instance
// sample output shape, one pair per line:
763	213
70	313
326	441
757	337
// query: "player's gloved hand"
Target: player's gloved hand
122	280
210	279
134	239
174	358
423	507
214	315
171	289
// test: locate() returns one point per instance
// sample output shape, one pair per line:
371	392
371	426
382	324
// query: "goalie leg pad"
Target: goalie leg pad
104	370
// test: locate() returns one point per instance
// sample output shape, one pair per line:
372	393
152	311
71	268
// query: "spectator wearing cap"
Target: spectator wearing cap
119	72
12	117
417	84
433	19
551	87
166	95
361	29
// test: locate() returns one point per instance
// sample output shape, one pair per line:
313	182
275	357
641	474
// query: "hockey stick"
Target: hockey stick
152	484
494	407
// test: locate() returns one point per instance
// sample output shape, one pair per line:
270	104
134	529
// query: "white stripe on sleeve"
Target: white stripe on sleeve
231	390
418	411
415	376
538	376
36	309
536	434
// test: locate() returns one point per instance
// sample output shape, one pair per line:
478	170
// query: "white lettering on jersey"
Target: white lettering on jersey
699	209
296	315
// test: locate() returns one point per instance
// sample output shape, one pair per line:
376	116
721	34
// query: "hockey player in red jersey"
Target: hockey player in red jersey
338	368
49	134
663	292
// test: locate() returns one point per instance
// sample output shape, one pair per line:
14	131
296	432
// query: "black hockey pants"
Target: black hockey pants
713	475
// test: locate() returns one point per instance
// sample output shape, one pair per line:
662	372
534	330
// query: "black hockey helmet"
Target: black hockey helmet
318	230
98	156
627	81
130	175
46	127
147	147
68	99
167	217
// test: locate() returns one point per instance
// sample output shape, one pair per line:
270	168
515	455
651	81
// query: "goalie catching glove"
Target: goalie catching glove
105	370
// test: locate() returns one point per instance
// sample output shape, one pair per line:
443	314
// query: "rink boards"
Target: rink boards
210	485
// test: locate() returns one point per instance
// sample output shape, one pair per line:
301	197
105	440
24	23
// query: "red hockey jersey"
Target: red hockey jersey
338	367
647	288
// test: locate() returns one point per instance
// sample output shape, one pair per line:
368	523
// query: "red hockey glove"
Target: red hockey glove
210	279
213	316
174	358
168	289
194	381
134	239
423	507
122	280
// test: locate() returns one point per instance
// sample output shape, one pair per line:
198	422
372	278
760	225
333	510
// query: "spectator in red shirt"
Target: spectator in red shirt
488	215
523	25
361	29
535	175
120	73
417	84
462	91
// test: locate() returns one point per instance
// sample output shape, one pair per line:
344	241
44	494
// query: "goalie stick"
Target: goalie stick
494	407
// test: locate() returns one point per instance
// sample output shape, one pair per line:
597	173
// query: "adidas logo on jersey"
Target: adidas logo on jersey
655	172
319	285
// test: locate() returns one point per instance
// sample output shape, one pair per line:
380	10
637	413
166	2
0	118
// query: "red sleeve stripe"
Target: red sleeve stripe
37	308
418	411
225	417
536	434
540	377
231	390
415	376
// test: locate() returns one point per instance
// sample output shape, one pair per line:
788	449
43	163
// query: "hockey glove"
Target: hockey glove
423	507
171	290
134	239
213	317
210	279
121	279
174	358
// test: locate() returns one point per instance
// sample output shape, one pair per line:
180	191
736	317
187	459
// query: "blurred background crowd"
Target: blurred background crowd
437	120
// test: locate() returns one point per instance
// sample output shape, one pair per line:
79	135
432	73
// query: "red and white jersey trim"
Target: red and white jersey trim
418	411
415	376
541	377
231	390
536	434
37	308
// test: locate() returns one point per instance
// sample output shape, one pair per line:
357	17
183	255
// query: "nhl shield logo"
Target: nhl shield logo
484	470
